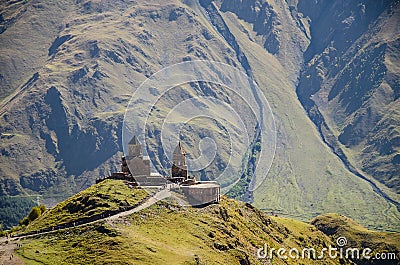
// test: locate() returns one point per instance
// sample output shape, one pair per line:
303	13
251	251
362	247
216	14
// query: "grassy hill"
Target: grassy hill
358	236
226	233
108	195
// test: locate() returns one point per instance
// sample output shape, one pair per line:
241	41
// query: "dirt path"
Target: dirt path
152	200
7	253
9	245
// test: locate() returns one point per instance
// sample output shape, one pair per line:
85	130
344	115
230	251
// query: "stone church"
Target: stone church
138	166
179	169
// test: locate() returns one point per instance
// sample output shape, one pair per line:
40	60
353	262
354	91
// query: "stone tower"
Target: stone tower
138	166
135	148
179	166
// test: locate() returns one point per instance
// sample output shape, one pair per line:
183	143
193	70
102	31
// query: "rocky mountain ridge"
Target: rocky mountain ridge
64	99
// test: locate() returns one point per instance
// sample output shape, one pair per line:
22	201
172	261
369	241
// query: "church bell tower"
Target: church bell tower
179	170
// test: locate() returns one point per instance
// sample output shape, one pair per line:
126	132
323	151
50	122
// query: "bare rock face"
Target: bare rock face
57	43
262	16
349	60
39	181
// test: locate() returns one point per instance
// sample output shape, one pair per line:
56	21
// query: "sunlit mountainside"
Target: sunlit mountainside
328	69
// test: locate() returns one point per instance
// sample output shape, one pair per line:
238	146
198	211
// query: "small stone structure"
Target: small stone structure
202	192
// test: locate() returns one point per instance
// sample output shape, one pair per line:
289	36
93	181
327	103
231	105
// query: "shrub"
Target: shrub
35	212
42	209
24	221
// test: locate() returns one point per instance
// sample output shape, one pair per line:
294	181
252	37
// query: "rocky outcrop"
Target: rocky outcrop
348	76
80	148
40	180
263	17
58	42
78	74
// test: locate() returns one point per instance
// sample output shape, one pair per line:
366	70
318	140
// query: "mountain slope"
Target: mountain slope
102	198
356	235
21	21
61	123
348	85
310	178
228	232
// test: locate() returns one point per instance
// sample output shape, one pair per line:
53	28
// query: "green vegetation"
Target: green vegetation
228	233
68	103
336	225
104	196
33	215
238	191
13	209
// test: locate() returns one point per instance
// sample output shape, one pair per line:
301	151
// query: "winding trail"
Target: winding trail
9	245
162	194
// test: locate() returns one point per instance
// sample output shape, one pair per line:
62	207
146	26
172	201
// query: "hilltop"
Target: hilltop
102	198
357	236
226	233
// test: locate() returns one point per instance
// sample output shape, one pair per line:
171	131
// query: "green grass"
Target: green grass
104	196
226	233
337	225
165	234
